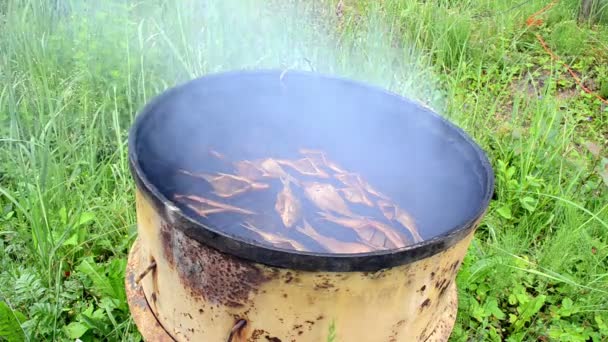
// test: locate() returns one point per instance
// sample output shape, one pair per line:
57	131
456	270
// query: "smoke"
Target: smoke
194	37
187	39
161	43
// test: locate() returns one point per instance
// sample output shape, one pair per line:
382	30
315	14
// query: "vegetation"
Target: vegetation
73	75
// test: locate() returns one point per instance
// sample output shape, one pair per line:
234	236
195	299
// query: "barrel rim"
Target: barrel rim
286	258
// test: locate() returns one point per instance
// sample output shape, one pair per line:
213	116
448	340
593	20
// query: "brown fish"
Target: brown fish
258	169
275	239
326	198
356	195
305	166
394	213
225	185
332	245
272	168
287	205
368	230
248	169
354	180
320	159
204	206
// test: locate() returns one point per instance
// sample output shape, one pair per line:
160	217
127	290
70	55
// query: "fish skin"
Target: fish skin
326	197
305	166
227	185
319	158
394	213
357	196
248	169
365	227
274	239
355	180
287	205
333	245
207	206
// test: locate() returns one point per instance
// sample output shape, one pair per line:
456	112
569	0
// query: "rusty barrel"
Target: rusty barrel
189	280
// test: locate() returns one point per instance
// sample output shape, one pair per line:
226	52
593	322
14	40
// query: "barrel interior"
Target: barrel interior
422	162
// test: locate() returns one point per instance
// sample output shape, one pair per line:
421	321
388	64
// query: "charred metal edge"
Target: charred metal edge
283	258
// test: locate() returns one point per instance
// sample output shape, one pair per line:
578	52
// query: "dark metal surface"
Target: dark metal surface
152	137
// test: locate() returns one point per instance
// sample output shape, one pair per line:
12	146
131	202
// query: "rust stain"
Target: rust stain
167	242
216	277
288	277
273	339
440	284
455	265
256	334
425	304
443	290
395	331
325	283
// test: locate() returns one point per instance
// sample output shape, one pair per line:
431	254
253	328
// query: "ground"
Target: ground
73	74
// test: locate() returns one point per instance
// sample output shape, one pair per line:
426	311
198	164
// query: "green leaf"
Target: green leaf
528	203
63	215
512	184
567	304
512	299
93	323
566	309
10	324
116	275
510	172
85	218
478	313
108	304
533	181
603	327
505	211
76	330
494	335
491	307
528	310
101	283
517	336
72	241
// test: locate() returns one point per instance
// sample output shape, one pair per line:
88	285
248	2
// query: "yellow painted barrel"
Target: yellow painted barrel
190	281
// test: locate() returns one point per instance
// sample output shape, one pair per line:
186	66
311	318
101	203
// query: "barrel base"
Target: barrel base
152	331
147	324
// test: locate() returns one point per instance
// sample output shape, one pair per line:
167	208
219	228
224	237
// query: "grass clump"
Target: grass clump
568	39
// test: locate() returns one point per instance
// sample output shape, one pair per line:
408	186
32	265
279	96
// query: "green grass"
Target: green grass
72	79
